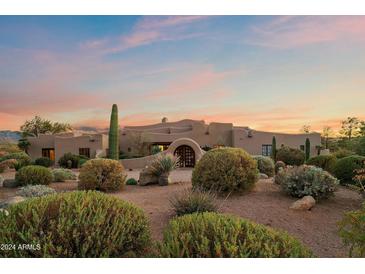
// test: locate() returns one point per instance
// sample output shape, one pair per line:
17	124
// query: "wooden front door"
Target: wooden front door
187	156
49	153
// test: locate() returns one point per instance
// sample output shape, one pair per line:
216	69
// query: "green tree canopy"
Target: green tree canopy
39	125
350	127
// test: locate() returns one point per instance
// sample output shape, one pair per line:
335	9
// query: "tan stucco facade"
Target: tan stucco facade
97	144
168	135
215	134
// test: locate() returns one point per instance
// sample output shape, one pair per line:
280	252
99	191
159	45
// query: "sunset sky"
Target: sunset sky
267	72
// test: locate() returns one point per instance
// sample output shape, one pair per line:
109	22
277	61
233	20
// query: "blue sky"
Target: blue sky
273	73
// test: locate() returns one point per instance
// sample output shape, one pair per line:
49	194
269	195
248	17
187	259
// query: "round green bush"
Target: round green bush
131	182
75	224
69	160
343	152
300	181
326	162
62	174
33	175
43	161
290	156
344	168
225	170
212	235
102	174
279	165
265	165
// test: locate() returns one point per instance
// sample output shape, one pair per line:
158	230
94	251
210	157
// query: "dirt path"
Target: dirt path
266	204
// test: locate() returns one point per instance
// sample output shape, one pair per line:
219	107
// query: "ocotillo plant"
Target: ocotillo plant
273	148
307	149
114	134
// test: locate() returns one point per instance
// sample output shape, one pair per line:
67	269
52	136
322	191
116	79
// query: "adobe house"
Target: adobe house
191	136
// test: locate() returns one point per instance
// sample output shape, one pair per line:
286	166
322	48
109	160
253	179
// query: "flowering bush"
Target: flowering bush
35	191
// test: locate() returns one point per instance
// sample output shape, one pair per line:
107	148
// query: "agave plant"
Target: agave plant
162	165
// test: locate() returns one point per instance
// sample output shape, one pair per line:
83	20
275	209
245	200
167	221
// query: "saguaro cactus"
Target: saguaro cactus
273	148
114	134
307	149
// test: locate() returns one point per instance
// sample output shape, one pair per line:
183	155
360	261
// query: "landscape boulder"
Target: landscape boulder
263	176
305	203
11	201
10	183
146	178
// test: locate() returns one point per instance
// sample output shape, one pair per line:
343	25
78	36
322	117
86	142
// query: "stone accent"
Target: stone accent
146	178
10	183
305	203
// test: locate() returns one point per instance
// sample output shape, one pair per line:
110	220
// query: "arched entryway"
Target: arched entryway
187	156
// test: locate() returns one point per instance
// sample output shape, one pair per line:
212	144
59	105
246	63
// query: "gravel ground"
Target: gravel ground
265	204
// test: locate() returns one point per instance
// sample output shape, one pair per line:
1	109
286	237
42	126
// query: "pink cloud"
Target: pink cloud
297	31
148	30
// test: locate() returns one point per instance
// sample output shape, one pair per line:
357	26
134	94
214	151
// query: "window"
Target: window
84	151
48	152
266	150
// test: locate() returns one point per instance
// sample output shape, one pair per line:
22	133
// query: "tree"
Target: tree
24	144
305	129
273	148
307	149
326	133
114	134
350	127
362	129
39	125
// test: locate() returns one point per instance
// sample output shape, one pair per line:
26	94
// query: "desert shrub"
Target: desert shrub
360	146
69	160
352	232
10	163
82	161
279	165
22	159
212	235
326	162
225	170
33	175
61	175
131	182
359	180
189	201
265	165
30	191
163	163
290	156
43	161
75	224
102	174
342	153
300	181
344	168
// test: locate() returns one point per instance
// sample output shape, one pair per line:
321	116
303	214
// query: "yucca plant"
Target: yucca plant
162	165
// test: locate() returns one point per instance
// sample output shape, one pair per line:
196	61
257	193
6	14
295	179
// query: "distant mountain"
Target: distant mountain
8	136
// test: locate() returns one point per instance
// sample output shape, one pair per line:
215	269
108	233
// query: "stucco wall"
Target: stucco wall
67	143
37	143
210	135
139	163
253	145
